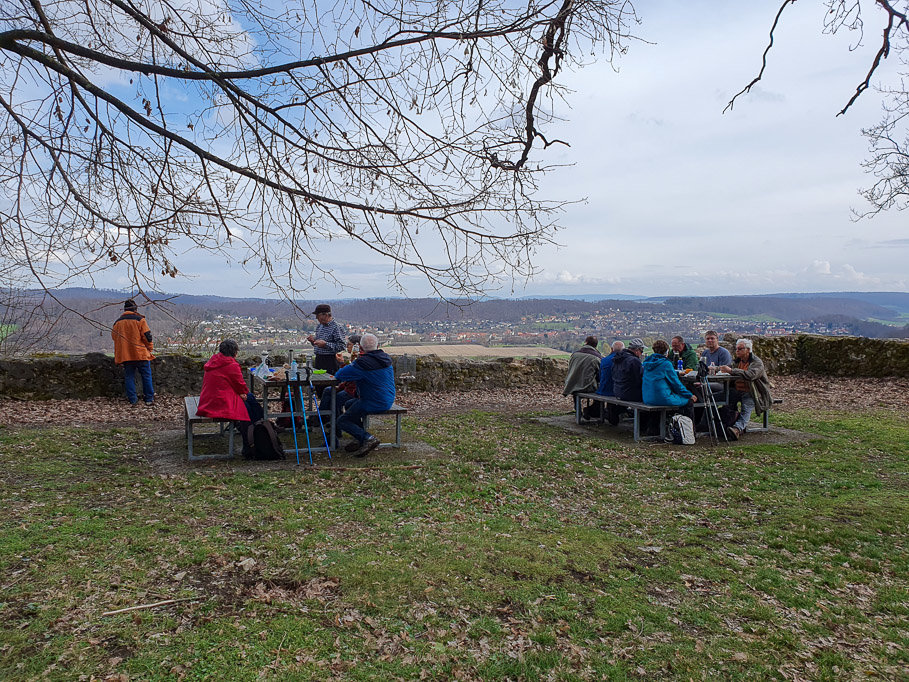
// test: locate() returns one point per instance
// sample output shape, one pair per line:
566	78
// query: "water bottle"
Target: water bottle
293	366
680	365
712	368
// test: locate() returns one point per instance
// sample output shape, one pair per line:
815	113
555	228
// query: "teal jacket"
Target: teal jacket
661	384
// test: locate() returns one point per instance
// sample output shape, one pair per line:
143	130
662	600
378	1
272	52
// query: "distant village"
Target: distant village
553	331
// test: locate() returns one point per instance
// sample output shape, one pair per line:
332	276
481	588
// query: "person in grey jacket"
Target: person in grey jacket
583	369
752	387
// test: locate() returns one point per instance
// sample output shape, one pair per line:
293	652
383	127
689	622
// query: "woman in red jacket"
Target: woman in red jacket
224	391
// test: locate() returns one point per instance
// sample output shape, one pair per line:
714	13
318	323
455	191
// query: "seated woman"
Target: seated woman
225	394
661	385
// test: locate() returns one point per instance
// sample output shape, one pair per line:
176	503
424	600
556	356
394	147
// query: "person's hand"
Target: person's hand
311	339
724	368
693	398
320	343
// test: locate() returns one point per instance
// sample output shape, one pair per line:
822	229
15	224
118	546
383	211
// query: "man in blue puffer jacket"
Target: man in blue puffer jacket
375	379
661	384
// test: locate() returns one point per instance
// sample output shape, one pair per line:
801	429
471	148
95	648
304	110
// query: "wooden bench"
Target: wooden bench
190	418
398	412
635	406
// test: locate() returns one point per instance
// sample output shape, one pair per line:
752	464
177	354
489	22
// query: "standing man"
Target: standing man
715	354
133	350
752	387
375	379
328	339
681	350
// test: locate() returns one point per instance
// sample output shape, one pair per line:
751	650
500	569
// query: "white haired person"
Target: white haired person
375	379
751	388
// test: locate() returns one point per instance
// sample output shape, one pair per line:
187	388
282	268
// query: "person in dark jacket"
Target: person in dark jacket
225	394
133	351
375	379
661	384
626	380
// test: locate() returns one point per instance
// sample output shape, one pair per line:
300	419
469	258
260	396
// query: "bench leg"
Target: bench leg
189	439
397	430
637	425
662	425
577	409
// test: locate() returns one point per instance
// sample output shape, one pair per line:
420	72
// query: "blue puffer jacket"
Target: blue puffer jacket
375	378
661	384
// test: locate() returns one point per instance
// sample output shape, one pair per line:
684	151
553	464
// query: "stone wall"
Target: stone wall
95	374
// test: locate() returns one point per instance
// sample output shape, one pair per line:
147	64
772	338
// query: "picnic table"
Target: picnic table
308	389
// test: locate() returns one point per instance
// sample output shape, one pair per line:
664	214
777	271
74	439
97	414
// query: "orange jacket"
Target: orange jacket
132	338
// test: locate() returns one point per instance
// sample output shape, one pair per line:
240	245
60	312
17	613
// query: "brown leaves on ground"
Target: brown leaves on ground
797	391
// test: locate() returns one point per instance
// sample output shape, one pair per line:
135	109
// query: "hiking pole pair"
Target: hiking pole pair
712	410
312	392
293	421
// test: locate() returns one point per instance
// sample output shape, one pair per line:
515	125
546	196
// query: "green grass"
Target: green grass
520	552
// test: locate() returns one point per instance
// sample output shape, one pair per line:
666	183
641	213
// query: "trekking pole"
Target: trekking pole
719	418
312	390
708	414
293	422
303	411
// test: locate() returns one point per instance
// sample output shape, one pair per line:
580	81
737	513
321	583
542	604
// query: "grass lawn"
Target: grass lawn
519	552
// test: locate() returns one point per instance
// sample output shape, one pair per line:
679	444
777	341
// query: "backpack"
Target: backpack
682	430
264	442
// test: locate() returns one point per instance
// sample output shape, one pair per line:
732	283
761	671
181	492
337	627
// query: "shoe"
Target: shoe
149	402
353	446
733	433
368	446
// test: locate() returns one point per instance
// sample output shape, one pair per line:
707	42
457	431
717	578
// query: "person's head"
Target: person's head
229	348
368	342
743	348
354	339
130	304
323	313
617	346
678	344
660	347
591	341
712	340
636	346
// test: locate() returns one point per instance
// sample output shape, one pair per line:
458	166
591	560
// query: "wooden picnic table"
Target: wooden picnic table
310	398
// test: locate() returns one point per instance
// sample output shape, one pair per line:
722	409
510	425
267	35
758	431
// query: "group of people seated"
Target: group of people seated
367	387
628	374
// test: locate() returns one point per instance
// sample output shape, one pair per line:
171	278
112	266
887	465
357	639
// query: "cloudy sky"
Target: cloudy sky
680	198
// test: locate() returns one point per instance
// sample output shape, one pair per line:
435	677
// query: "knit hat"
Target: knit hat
130	304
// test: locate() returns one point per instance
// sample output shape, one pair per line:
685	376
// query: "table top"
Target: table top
317	380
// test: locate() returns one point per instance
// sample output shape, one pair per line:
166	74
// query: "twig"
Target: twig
150	606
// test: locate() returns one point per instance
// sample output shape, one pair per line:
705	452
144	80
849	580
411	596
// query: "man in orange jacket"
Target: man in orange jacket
133	350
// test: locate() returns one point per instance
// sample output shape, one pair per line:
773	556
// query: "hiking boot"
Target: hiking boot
353	446
368	446
733	433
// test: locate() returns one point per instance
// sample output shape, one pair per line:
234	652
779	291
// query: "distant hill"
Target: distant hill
784	308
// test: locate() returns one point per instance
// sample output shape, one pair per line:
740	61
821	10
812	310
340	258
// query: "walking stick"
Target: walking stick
303	411
293	422
312	390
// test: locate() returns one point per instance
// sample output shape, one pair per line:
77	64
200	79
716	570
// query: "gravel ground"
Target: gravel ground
167	412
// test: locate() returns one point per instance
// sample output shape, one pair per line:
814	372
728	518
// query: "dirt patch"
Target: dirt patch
624	433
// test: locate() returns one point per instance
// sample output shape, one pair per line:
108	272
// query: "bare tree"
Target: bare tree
889	139
27	318
136	131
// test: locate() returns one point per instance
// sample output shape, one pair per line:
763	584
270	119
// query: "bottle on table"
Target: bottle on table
680	364
293	366
262	369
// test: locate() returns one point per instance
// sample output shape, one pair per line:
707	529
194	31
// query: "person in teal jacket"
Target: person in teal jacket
661	384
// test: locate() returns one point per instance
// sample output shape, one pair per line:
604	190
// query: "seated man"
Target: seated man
583	370
626	379
752	387
605	387
225	394
661	384
715	354
681	350
375	379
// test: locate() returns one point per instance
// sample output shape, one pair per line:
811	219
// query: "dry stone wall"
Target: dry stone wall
95	374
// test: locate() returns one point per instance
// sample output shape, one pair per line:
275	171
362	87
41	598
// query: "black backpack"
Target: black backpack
264	442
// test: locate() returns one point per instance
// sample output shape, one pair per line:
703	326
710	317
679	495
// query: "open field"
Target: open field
471	350
495	547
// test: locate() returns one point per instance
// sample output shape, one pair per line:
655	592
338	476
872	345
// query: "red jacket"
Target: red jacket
132	338
223	390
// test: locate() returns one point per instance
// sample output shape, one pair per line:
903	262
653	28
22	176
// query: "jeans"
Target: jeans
747	408
325	403
352	420
129	380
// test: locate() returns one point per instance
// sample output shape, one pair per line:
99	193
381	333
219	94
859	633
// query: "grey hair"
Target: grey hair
745	342
369	342
617	346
